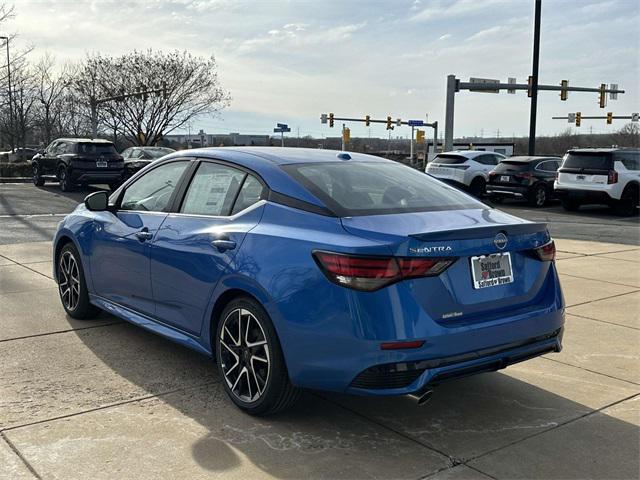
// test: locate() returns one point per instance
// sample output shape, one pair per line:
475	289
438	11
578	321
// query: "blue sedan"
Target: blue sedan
299	268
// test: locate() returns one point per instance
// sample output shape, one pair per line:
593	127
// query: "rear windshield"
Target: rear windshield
449	158
588	161
96	148
373	188
506	165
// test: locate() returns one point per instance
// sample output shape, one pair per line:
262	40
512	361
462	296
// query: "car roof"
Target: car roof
84	140
468	153
603	150
527	158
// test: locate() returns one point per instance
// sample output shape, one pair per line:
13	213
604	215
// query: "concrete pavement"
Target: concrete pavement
104	399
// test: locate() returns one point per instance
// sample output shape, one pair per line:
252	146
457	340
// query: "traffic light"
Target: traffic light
367	119
530	83
602	96
578	118
563	93
420	136
609	118
389	127
331	119
346	135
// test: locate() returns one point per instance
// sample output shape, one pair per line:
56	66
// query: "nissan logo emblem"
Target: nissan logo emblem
500	241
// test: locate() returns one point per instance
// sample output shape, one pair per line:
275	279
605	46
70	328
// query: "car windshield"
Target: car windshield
450	159
512	166
377	188
589	161
96	148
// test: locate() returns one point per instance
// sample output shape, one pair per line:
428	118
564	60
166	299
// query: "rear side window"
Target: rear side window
630	160
96	148
250	193
449	159
372	188
588	161
213	190
510	166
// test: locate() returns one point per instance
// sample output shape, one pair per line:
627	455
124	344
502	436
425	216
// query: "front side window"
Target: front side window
213	190
152	191
377	188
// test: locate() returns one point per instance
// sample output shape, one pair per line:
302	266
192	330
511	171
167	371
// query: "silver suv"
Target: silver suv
468	169
609	176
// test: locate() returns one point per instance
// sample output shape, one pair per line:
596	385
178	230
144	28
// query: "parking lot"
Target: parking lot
104	399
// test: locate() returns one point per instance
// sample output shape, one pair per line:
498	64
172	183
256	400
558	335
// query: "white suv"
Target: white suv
608	176
468	169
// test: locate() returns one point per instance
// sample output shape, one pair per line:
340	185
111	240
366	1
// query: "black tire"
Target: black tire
38	181
478	187
628	203
570	205
538	196
64	180
70	274
278	393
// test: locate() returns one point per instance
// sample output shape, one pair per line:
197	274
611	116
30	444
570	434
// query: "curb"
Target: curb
15	179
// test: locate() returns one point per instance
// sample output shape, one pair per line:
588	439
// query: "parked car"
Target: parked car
528	178
136	158
78	161
609	176
302	268
18	155
467	169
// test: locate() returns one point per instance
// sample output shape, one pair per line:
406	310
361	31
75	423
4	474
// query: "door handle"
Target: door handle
144	235
223	244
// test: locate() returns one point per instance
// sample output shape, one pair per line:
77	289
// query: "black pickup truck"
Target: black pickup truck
78	161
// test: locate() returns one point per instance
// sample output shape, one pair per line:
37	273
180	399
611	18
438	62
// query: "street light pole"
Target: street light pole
6	39
534	77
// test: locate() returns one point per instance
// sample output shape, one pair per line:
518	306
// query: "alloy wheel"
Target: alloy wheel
245	355
69	281
541	196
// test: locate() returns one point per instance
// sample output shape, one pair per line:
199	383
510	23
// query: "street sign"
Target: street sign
323	118
511	81
484	81
415	123
280	130
399	122
634	116
282	125
613	95
571	118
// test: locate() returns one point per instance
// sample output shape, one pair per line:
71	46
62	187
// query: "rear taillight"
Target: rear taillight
547	252
612	177
523	175
372	273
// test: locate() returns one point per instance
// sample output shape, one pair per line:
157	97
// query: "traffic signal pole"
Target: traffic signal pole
534	77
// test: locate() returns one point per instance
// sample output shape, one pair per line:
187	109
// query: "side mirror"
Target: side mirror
97	201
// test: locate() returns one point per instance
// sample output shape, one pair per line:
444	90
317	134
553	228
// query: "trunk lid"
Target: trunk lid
452	297
585	168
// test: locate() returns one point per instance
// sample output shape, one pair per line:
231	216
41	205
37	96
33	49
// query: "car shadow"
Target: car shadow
78	194
466	418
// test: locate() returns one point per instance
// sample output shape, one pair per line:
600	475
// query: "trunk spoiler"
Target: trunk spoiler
481	232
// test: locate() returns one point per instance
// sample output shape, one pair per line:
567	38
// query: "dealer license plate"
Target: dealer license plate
102	164
491	270
504	178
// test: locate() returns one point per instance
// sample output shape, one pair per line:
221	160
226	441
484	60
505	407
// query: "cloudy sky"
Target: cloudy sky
289	61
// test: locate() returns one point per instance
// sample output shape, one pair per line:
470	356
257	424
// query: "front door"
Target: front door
121	241
195	246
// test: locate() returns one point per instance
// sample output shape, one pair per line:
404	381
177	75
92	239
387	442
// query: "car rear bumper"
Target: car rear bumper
586	196
507	190
91	176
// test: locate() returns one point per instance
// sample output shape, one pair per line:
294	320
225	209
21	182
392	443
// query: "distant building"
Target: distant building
202	139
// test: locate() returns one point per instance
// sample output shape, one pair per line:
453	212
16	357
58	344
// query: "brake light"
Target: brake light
523	175
612	177
547	252
372	273
401	345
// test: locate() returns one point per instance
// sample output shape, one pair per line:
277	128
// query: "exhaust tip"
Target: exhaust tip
422	397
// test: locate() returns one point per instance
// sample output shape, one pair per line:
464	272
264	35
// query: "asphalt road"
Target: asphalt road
31	214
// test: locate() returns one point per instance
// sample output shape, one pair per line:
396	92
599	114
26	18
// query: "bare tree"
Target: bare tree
628	136
190	89
50	92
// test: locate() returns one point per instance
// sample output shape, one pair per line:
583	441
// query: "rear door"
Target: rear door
585	169
201	239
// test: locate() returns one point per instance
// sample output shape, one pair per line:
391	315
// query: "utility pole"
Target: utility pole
452	88
411	147
343	145
534	76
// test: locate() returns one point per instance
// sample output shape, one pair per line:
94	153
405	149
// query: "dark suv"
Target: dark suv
529	178
78	161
